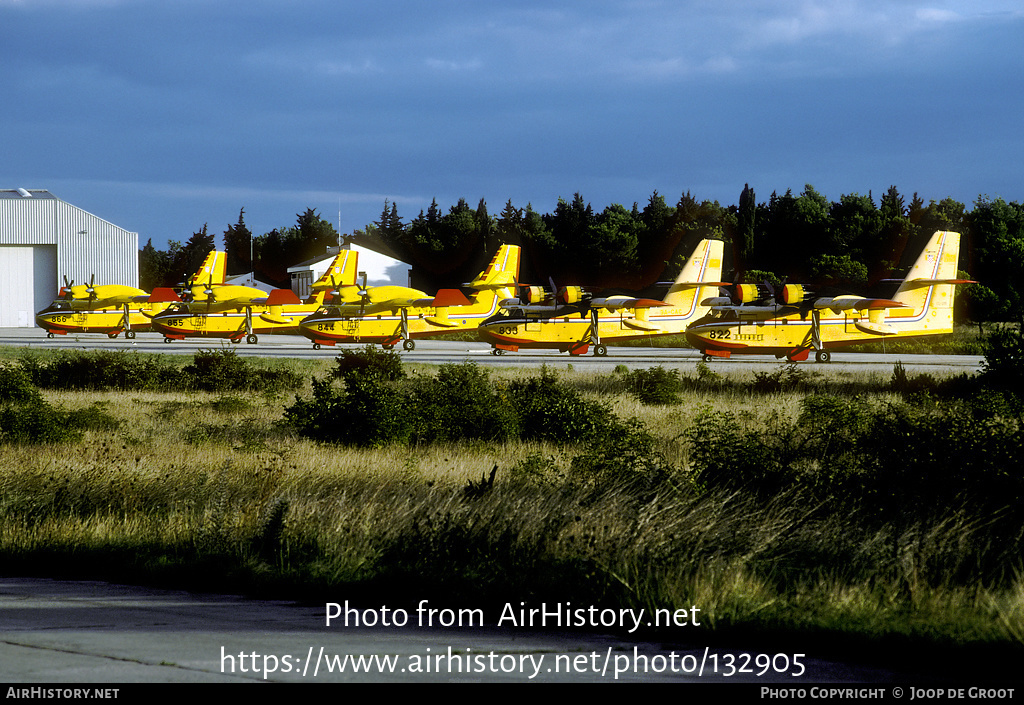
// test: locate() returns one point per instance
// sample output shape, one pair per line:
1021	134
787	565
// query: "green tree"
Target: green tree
189	258
313	236
997	235
237	246
155	265
746	223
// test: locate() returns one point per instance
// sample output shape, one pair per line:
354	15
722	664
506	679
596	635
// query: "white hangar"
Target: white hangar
43	239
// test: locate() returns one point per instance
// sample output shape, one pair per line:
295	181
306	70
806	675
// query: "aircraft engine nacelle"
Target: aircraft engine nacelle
792	294
534	294
747	293
570	294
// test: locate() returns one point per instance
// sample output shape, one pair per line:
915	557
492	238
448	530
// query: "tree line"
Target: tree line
853	244
268	256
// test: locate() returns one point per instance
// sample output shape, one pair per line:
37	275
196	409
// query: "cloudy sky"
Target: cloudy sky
161	116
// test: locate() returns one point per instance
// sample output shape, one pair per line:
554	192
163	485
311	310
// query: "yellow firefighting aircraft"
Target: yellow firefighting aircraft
574	321
113	308
236	312
389	314
799	322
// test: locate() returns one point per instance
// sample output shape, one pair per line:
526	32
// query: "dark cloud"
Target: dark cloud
162	116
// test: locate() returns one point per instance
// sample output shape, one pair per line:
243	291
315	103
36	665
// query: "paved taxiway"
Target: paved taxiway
439	352
96	632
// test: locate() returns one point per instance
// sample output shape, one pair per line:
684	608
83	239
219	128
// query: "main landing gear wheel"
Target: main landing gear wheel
129	334
823	356
251	339
49	335
111	335
236	341
600	350
707	358
385	346
167	340
409	344
497	351
316	346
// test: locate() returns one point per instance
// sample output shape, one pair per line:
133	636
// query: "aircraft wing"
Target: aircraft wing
613	303
915	283
443	299
755	312
859	303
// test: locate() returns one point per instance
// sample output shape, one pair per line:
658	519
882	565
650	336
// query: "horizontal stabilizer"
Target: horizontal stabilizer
163	294
442	322
450	297
875	328
637	324
276	320
914	283
279	297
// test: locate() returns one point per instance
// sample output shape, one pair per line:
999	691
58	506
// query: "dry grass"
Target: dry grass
211	488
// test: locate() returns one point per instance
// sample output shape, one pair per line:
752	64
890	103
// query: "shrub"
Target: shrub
787	377
460	402
902	383
726	454
35	422
622	456
1004	360
385	364
223	370
550	411
100	369
654	385
367	412
16	386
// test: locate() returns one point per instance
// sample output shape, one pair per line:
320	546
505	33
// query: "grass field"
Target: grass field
749	497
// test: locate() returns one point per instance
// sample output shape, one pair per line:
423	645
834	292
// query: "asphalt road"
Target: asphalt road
96	632
440	352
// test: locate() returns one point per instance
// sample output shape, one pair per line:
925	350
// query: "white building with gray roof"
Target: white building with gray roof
43	240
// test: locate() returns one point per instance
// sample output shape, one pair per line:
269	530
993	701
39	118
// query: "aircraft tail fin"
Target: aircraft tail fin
501	273
929	285
341	272
702	269
212	272
497	281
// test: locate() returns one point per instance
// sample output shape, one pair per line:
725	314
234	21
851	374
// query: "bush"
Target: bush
623	456
550	411
654	385
787	377
100	369
16	386
384	364
35	422
726	454
367	412
223	370
1004	360
460	402
25	417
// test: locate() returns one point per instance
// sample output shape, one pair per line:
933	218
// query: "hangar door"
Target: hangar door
28	282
